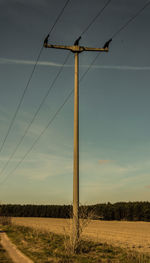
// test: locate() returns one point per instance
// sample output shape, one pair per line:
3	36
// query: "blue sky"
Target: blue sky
114	102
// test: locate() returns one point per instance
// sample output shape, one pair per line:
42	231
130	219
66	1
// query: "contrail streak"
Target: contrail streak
122	67
53	64
28	62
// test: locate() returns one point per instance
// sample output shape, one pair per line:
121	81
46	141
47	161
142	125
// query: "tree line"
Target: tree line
131	211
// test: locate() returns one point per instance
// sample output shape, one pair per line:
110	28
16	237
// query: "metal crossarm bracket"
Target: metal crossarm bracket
75	48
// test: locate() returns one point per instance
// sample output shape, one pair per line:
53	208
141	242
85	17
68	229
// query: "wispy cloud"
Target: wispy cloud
29	62
121	67
113	170
53	64
44	165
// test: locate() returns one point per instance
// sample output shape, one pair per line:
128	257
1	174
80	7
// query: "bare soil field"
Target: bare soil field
131	235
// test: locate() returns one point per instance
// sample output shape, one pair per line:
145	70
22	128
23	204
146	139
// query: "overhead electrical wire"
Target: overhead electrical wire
45	96
47	93
35	115
130	20
58	17
20	102
37	139
114	35
29	80
70	94
94	19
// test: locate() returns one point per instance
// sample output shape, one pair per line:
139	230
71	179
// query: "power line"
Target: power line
130	20
57	19
94	19
114	35
29	80
60	14
20	102
37	139
71	92
35	115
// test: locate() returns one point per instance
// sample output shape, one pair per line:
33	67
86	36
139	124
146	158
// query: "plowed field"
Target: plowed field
133	235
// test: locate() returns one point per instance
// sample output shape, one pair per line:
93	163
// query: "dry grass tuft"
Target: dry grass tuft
5	220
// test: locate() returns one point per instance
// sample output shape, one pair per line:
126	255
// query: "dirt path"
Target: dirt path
15	254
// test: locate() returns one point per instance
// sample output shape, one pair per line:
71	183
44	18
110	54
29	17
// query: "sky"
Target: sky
114	102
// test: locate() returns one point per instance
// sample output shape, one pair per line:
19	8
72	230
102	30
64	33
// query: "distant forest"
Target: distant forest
131	211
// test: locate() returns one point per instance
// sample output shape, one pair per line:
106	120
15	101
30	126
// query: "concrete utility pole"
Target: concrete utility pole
76	49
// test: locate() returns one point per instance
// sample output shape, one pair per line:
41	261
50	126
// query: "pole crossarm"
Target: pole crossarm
95	49
76	48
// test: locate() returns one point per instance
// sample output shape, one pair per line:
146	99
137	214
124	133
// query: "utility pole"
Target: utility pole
76	49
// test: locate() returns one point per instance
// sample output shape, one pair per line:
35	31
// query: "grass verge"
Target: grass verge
44	247
4	257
